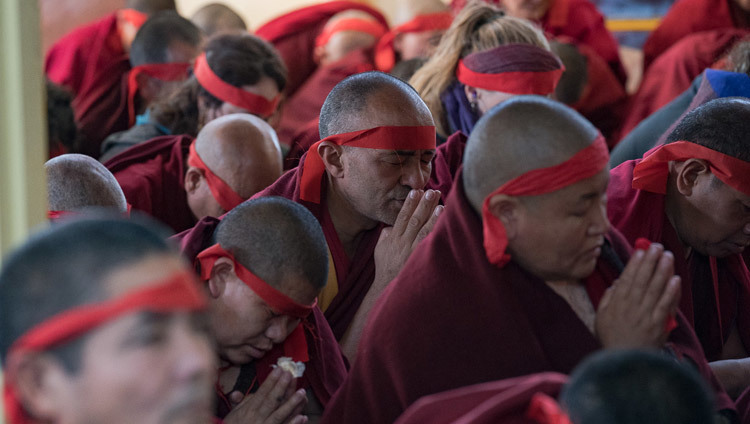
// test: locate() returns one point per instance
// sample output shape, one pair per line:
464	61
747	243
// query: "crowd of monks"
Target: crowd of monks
456	216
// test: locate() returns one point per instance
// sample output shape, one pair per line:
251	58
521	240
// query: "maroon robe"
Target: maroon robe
327	367
674	71
152	176
303	139
639	213
687	17
449	157
294	33
452	319
354	275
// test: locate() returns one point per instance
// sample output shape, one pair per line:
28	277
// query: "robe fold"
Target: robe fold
452	319
638	213
152	176
294	33
449	157
354	275
327	367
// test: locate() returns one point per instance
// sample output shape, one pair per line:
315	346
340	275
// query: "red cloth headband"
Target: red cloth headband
180	291
545	410
253	103
514	69
652	172
55	215
584	164
385	57
373	28
277	300
134	17
162	71
222	192
388	138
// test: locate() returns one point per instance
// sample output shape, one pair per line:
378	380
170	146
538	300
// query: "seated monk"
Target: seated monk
687	17
215	18
418	26
263	265
363	182
101	321
237	73
179	180
160	56
76	182
343	48
609	387
522	274
692	195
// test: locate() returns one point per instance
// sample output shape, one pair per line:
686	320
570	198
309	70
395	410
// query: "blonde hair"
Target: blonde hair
478	27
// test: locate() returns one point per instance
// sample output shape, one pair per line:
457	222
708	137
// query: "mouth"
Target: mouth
256	352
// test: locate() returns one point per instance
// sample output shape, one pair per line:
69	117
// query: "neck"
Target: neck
575	295
350	225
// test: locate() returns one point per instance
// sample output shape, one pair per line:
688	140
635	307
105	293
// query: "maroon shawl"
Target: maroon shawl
448	160
451	319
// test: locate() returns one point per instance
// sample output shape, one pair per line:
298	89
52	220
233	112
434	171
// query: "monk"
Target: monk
363	182
214	18
343	48
101	321
179	180
76	182
522	274
160	56
687	17
418	26
262	287
691	195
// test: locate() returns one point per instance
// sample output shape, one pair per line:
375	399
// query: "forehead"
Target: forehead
581	191
142	274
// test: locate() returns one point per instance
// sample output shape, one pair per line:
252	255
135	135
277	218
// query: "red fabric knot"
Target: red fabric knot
385	56
161	71
513	69
222	90
222	192
652	172
133	17
177	292
545	410
387	138
374	28
584	164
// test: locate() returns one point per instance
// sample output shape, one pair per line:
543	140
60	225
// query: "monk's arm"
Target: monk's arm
733	374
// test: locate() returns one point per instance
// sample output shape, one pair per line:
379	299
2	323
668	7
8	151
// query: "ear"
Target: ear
320	54
193	180
687	173
42	385
331	154
471	93
509	210
220	276
398	43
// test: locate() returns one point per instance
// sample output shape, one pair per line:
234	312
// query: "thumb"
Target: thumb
236	397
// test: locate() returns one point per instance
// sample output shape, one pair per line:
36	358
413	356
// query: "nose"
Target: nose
600	223
279	329
414	175
194	356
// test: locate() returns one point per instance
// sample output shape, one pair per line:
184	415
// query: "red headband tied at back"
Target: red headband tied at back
222	192
374	28
388	138
385	56
134	17
513	69
545	410
584	164
162	71
652	172
222	90
178	292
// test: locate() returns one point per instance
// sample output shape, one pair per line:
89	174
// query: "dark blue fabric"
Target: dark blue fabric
458	109
728	84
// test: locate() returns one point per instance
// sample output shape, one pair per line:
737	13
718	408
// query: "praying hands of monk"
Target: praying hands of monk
633	312
275	402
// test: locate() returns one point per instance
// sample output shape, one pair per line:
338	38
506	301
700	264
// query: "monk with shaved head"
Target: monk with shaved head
263	265
522	274
179	180
364	183
76	182
216	17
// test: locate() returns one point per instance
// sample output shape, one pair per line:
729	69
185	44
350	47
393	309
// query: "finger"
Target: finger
422	214
663	272
276	396
427	228
299	419
257	398
293	406
645	272
410	204
667	302
631	268
236	397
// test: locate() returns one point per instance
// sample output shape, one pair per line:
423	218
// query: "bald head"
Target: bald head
216	17
517	136
165	37
371	99
151	6
410	9
341	43
278	240
243	150
76	182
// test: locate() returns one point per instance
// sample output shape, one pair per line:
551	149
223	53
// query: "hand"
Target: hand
275	402
633	312
415	220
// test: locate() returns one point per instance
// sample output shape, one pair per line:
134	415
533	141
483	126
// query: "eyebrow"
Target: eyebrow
409	152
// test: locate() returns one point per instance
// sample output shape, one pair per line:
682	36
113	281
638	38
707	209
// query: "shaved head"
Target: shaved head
161	33
517	136
371	99
151	6
342	43
277	240
410	9
76	182
216	17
